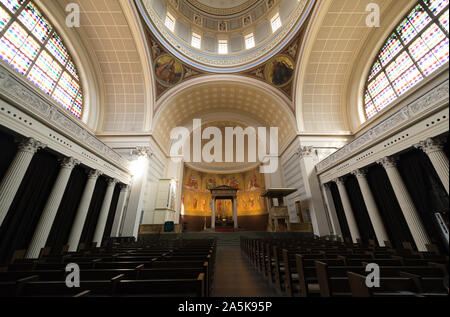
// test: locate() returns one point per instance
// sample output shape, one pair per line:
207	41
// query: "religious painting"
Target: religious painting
279	71
192	181
233	182
253	182
197	196
168	70
211	182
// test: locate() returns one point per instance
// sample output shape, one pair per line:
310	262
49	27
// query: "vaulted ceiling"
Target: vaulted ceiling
330	52
338	33
106	30
238	101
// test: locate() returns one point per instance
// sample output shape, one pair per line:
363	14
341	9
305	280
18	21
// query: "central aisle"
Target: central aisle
235	277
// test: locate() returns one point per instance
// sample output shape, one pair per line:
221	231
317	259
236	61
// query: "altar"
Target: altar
223	192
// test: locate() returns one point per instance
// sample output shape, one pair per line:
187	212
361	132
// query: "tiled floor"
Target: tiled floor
235	277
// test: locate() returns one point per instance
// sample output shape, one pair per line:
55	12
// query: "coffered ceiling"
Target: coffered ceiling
106	30
339	32
224	100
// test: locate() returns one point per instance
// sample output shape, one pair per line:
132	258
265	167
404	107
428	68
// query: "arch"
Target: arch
321	7
32	45
88	66
415	48
242	95
142	46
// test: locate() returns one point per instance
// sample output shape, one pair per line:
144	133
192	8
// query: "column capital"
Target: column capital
142	151
305	151
94	174
124	187
339	180
430	145
30	145
112	182
388	162
69	163
327	185
360	173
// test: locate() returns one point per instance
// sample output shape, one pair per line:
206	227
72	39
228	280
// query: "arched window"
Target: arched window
417	47
30	44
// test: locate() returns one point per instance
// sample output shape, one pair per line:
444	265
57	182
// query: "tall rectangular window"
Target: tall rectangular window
170	22
249	41
223	47
275	22
196	40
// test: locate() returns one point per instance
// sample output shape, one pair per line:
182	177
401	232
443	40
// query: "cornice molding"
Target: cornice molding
49	114
437	95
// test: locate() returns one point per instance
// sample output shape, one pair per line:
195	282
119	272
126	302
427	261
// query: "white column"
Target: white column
235	216
349	215
372	209
51	208
331	209
120	210
314	199
15	173
213	214
104	211
412	217
83	208
434	148
136	200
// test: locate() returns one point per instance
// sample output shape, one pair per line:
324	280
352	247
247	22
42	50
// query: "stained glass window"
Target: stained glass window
417	47
32	47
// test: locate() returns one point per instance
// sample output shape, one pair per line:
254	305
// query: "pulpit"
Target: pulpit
278	215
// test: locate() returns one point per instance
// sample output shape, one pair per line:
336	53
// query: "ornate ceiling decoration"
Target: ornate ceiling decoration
277	72
224	19
234	62
224	7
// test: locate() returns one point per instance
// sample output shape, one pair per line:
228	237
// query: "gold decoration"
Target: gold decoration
168	70
279	71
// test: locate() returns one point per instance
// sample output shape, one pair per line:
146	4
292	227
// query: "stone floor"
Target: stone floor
235	277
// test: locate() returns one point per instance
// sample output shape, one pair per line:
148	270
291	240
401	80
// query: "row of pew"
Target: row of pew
330	268
180	268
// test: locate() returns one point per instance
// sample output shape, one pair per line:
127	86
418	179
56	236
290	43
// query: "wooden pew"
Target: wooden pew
162	288
407	285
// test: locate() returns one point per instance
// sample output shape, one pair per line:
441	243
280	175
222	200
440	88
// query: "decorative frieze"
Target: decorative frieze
54	116
407	113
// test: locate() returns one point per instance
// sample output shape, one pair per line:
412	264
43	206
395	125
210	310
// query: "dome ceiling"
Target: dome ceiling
216	6
219	20
170	72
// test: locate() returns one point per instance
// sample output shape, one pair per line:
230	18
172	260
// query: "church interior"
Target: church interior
212	148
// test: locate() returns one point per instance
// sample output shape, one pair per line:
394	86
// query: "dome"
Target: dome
224	36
